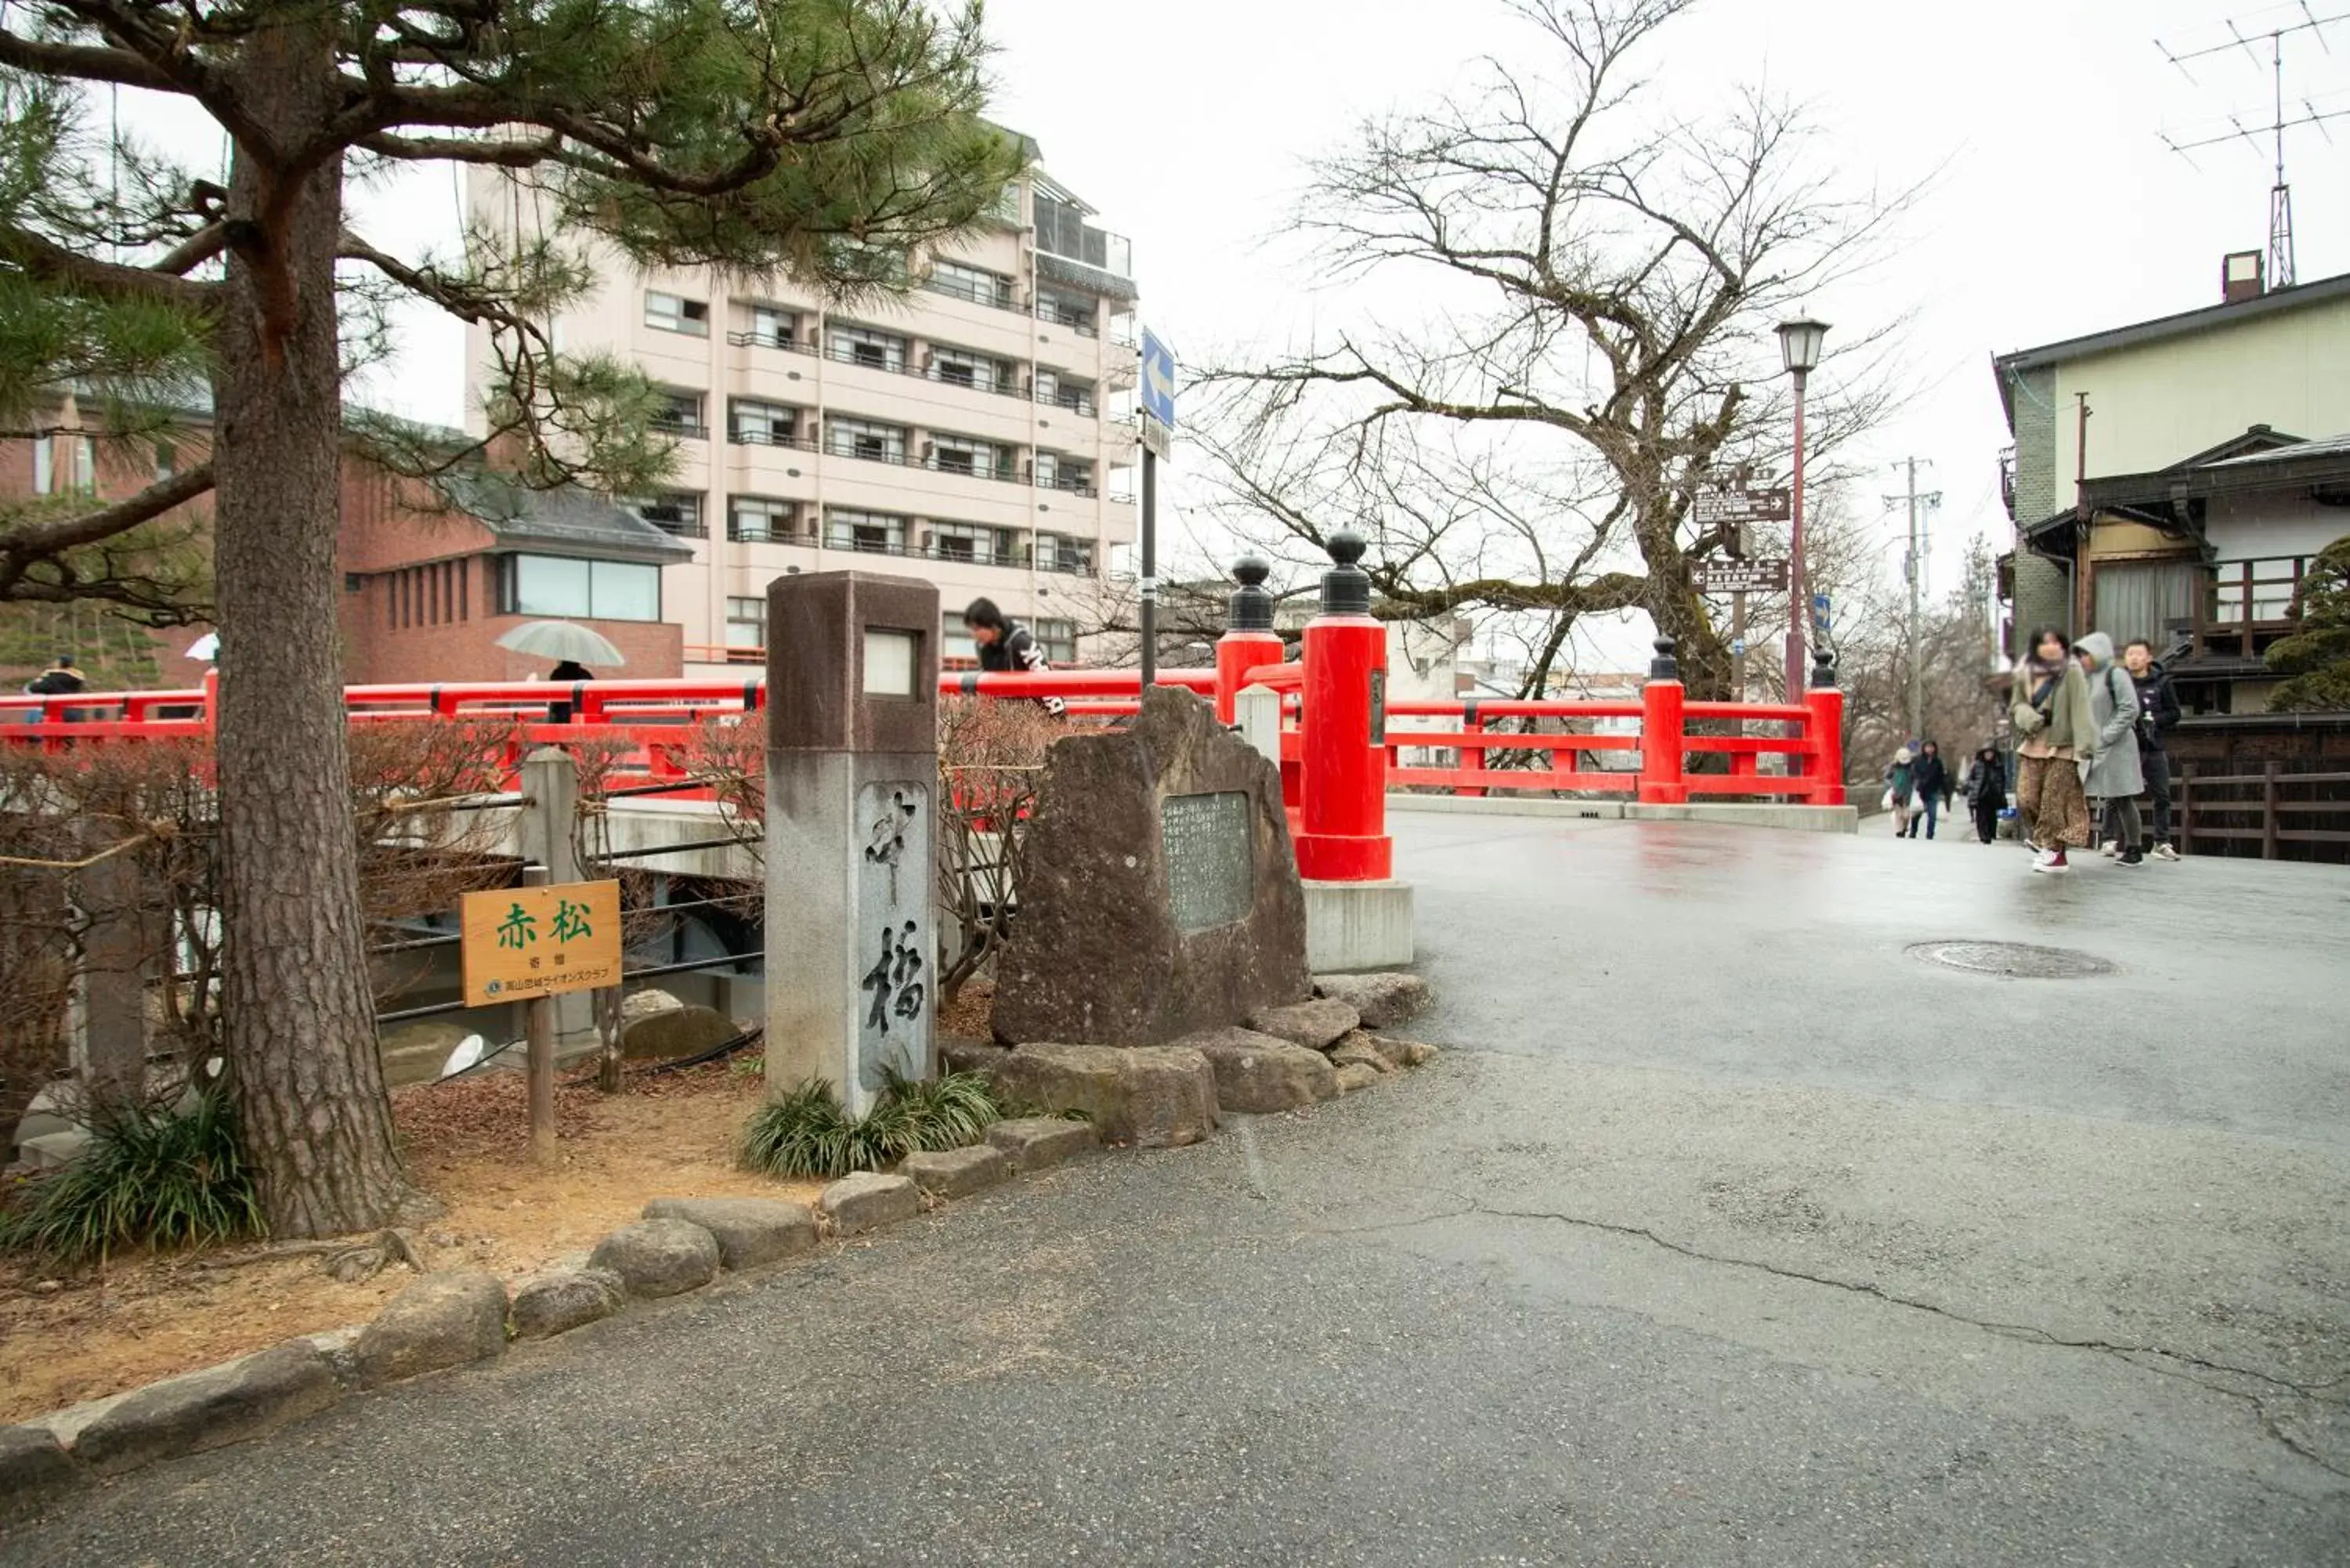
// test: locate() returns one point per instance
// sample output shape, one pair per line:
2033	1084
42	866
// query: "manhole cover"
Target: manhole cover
2016	961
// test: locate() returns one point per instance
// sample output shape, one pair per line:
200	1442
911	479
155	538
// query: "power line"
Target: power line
1913	567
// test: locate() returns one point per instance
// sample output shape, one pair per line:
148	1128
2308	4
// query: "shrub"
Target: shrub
807	1134
157	1176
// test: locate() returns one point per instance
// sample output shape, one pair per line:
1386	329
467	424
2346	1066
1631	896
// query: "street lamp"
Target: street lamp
1799	348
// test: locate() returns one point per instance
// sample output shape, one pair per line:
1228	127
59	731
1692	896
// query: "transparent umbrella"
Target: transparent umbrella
561	640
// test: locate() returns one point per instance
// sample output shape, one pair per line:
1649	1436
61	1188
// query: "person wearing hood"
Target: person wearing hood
2157	715
1986	791
2058	727
2113	777
1900	788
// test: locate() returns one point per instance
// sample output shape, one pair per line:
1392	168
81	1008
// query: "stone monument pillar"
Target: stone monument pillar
852	774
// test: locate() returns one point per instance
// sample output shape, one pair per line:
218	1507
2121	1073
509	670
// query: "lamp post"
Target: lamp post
1799	349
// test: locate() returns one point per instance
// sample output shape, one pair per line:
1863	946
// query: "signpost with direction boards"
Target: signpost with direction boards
1738	508
1735	576
1157	411
1738	503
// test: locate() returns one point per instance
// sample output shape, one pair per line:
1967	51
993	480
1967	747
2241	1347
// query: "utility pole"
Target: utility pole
1913	567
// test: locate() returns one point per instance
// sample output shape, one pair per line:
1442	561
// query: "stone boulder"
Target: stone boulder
1151	1096
675	1032
865	1200
658	1257
1383	1000
1261	1074
750	1231
1357	1076
1159	894
973	1055
565	1299
645	1002
957	1172
1402	1053
1316	1024
33	1470
1360	1050
207	1409
1035	1143
442	1320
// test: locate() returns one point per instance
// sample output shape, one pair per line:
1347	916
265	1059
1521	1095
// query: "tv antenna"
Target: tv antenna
2283	117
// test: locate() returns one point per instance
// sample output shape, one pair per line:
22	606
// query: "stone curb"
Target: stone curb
455	1317
438	1323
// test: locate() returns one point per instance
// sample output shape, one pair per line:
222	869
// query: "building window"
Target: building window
45	465
668	313
956	649
746	623
750	422
1057	639
677	512
565	586
968	454
679	414
85	466
1074	311
974	284
1060	553
759	521
969	542
865	439
1065	393
962	368
871	533
773	327
1062	230
166	462
863	345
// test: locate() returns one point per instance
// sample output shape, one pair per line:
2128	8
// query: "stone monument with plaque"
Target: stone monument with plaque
1159	893
852	770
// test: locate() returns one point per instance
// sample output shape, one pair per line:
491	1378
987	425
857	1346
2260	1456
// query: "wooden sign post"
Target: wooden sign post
533	944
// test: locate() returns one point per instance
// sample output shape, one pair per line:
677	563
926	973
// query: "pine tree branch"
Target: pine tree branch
466	304
45	259
456	149
82	62
20	547
177	68
194	251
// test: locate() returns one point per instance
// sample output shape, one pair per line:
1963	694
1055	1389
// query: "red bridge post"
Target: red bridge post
1825	752
1661	732
1343	833
1249	639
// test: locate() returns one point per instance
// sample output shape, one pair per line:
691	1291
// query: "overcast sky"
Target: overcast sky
2056	208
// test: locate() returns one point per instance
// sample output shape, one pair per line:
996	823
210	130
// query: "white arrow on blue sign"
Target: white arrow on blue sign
1158	381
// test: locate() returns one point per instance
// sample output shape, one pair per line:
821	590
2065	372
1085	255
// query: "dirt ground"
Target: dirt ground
67	1338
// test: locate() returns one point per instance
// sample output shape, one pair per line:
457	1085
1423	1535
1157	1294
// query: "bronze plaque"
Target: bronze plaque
1210	846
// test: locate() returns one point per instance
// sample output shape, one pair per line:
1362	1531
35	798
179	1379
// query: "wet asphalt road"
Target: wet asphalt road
1730	1234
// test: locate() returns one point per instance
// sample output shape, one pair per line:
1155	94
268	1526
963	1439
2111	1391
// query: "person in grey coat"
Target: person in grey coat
2114	776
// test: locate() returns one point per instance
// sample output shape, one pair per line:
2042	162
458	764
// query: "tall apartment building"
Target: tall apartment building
975	431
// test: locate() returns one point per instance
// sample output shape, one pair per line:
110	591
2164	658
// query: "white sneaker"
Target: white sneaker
2165	852
2112	847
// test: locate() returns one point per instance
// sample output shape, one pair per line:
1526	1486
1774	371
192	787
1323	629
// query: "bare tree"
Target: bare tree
1601	285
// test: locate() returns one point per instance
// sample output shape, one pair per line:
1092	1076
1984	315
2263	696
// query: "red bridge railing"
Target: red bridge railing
1342	745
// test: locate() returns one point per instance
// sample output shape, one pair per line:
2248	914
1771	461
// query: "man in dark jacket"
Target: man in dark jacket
2157	715
1931	778
59	680
1006	646
1986	788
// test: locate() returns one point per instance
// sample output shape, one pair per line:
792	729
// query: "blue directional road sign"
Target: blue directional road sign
1820	617
1158	381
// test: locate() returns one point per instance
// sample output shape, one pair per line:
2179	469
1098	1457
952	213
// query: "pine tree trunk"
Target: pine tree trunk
309	1084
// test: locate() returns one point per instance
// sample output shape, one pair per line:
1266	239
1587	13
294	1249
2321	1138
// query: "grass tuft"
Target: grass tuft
152	1177
806	1134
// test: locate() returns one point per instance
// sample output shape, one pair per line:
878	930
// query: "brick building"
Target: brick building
432	578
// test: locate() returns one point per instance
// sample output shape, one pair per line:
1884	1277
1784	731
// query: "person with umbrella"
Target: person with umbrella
573	647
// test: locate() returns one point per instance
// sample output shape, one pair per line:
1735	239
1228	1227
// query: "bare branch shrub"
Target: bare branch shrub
991	763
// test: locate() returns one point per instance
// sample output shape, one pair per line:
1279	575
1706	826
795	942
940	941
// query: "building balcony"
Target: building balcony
972	293
769	341
2248	604
765	438
1083	325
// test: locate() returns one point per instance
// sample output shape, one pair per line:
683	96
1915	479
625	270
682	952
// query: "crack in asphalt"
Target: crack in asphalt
2135	1355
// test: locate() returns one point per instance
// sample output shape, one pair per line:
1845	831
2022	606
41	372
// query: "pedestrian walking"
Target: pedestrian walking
1901	788
2113	779
1931	780
1005	645
569	672
2052	714
1986	791
61	679
2157	715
